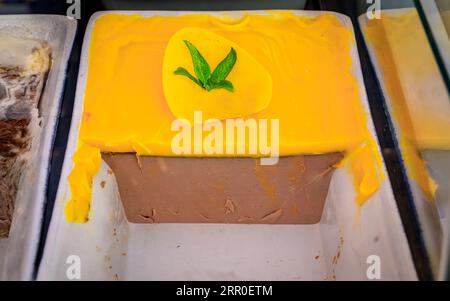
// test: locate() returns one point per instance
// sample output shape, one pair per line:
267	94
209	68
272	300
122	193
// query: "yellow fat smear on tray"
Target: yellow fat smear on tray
314	93
87	160
418	97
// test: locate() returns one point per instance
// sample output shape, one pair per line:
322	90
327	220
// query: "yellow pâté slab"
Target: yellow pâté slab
297	69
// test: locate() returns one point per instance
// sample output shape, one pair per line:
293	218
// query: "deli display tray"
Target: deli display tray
18	251
432	216
340	247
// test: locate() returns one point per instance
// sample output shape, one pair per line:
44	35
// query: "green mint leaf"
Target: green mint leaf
224	84
201	66
224	67
184	72
204	78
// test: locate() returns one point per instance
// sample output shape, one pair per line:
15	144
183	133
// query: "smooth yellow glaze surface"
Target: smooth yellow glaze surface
183	98
419	100
315	94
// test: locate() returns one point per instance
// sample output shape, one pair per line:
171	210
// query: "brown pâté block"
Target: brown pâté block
223	190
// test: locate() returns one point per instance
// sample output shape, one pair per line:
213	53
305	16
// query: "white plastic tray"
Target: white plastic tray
18	251
108	247
427	212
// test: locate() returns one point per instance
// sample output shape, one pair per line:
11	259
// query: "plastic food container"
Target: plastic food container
341	246
18	251
432	215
